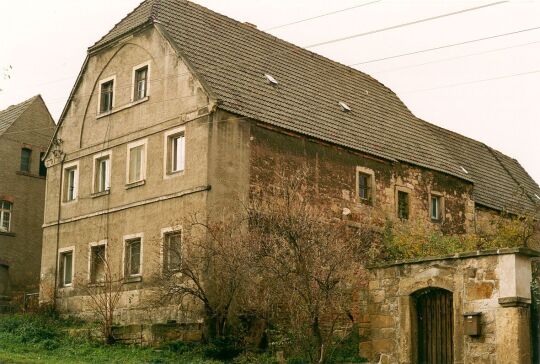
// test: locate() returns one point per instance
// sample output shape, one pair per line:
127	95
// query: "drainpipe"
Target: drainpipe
58	229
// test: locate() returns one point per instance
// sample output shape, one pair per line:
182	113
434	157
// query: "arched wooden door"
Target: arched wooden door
435	326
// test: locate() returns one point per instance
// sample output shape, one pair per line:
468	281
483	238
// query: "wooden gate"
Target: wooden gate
435	326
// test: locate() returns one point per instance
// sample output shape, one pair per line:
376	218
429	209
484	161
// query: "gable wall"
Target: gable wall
21	248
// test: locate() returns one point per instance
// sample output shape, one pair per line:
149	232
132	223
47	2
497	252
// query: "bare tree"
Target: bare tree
104	289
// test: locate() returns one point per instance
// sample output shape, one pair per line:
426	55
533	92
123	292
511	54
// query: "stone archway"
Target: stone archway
434	326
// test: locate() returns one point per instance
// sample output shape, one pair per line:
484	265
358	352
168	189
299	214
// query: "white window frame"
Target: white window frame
440	196
143	161
126	239
96	171
133	74
61	252
101	82
90	246
65	187
2	210
164	232
167	136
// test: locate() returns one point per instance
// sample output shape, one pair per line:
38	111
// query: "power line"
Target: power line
403	25
445	46
321	16
471	82
457	57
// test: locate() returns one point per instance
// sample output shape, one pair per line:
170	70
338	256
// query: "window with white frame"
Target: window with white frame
172	250
106	96
136	161
132	258
71	182
98	264
6	208
436	207
140	87
175	151
102	173
66	268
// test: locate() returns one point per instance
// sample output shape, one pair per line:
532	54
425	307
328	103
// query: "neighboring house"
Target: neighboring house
179	110
25	132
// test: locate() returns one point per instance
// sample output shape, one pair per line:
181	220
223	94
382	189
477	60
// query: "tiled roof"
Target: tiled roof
12	113
232	58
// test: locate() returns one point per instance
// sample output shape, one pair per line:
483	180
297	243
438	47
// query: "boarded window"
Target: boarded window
26	155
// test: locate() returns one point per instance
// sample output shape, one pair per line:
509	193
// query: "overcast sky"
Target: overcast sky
45	43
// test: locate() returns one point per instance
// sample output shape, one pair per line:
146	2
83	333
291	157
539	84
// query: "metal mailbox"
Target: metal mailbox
471	325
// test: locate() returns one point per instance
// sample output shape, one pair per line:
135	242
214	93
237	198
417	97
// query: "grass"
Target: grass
42	339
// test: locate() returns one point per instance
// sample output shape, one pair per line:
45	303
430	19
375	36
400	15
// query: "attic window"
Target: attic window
344	106
464	170
270	79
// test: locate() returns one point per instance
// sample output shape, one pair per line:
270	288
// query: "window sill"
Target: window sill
69	202
102	193
28	174
133	279
135	184
96	284
126	106
174	174
7	233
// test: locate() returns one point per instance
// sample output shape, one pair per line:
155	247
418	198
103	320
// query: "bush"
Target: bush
31	329
223	349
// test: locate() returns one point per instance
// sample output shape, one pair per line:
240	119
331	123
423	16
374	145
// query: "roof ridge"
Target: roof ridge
118	23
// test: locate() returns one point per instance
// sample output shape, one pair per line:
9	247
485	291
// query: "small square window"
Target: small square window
173	250
141	83
106	96
5	216
133	257
436	207
102	178
403	205
97	263
66	268
71	184
26	155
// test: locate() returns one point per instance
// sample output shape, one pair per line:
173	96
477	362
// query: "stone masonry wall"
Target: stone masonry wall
479	282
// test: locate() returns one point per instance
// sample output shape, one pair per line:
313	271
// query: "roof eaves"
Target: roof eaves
98	47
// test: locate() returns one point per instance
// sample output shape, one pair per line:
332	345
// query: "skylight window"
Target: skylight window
271	79
344	106
538	197
464	170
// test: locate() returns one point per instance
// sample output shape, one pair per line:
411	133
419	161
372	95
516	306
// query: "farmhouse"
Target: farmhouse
179	110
